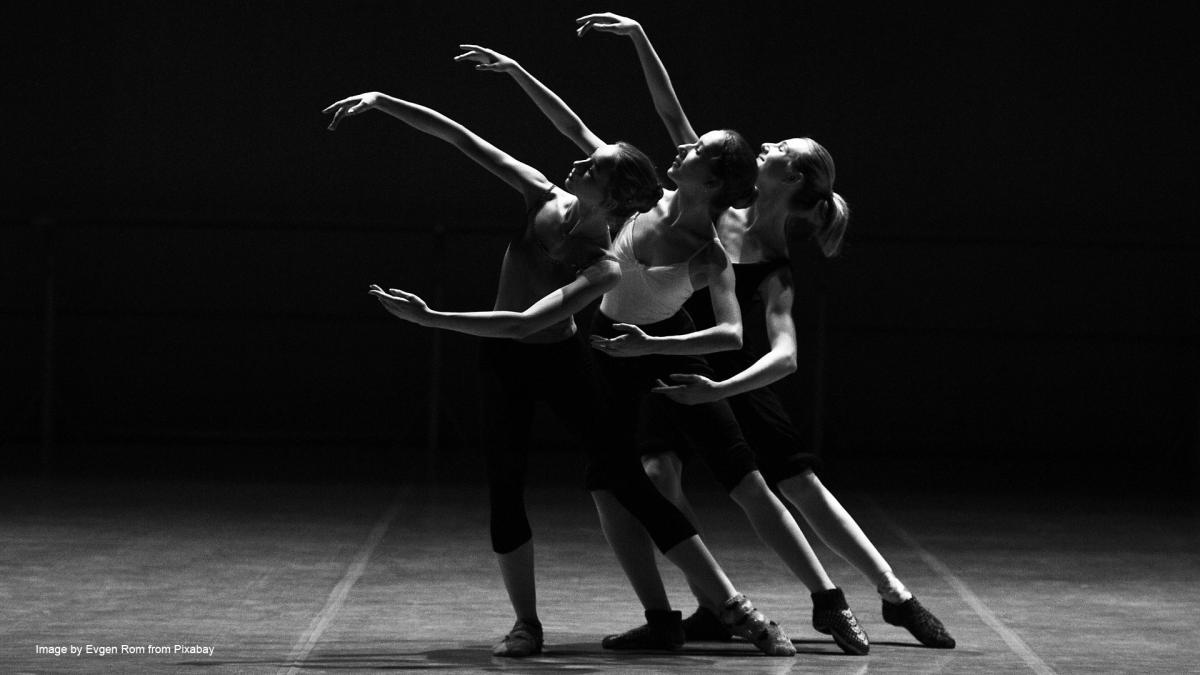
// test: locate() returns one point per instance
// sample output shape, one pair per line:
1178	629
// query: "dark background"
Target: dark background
185	249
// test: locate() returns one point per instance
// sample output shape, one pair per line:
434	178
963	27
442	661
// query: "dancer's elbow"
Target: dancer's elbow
517	328
731	337
608	279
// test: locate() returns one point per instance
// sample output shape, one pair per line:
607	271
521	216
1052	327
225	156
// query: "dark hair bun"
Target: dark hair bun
645	199
746	199
736	166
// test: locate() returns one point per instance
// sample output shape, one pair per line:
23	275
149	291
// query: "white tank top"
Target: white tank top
646	294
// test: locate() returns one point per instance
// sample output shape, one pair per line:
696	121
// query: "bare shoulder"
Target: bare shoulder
560	198
777	290
708	264
548	209
660	210
714	255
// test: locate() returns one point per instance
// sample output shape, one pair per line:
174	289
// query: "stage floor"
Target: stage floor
307	578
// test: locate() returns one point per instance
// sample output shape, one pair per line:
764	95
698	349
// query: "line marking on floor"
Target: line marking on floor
1014	641
337	596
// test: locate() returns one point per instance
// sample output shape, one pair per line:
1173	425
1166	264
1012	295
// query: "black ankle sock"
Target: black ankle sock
831	599
532	622
663	617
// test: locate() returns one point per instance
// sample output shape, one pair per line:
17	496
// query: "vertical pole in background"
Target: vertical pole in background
46	227
1196	447
433	429
818	384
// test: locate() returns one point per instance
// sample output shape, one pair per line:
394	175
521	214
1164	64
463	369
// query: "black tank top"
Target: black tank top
748	278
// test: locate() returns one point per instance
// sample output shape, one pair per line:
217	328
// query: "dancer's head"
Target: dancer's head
802	172
721	163
618	178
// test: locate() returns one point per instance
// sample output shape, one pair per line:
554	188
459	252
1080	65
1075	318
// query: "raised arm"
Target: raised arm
528	181
553	107
661	90
771	367
560	304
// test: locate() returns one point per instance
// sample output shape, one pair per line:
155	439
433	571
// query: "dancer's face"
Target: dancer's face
693	161
775	160
778	153
589	178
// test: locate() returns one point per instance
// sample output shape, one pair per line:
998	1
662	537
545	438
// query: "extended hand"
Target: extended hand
487	59
401	304
634	342
692	389
351	106
606	22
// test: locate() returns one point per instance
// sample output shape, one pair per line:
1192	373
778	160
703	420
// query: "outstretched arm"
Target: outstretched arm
775	365
524	178
553	308
661	90
553	107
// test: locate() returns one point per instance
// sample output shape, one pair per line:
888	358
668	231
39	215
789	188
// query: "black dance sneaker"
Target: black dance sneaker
525	639
740	617
704	626
663	630
832	616
920	622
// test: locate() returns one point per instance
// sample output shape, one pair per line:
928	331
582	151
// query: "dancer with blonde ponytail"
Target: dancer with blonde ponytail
796	191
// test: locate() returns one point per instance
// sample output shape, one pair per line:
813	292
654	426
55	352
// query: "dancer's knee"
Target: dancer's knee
509	535
665	471
752	494
802	486
666	524
509	522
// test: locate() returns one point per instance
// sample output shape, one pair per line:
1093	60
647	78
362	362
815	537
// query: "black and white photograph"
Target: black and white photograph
773	337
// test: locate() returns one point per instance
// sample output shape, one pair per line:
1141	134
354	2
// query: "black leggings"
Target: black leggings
780	448
563	374
656	420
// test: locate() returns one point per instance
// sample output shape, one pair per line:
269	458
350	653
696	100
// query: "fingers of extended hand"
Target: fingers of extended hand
687	378
480	55
337	117
601	344
628	329
339	104
664	388
594	17
393	308
472	56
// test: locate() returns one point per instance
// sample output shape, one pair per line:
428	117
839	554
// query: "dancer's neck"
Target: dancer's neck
689	208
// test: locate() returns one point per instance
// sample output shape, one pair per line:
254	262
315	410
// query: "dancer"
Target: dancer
795	183
665	253
553	267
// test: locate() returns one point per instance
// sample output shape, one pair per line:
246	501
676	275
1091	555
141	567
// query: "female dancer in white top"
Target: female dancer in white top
795	183
554	266
666	253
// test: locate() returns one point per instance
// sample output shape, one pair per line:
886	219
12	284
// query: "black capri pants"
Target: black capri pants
658	422
515	375
780	449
